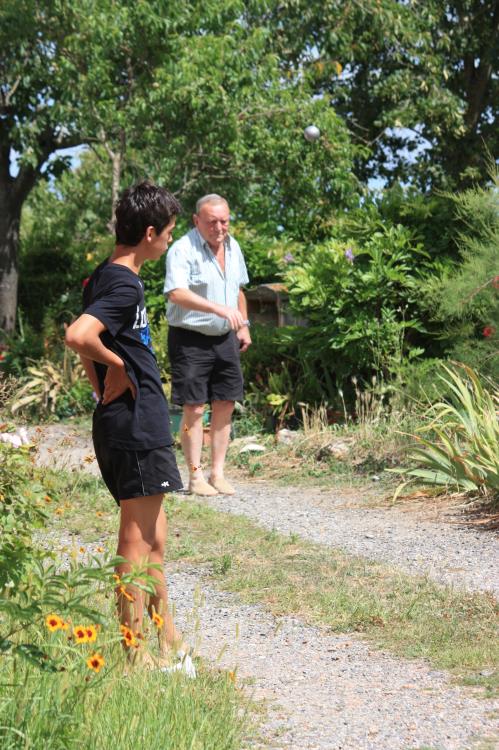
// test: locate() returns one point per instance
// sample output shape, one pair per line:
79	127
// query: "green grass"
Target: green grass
113	712
374	448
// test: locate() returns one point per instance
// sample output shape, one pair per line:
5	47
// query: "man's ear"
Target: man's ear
149	234
195	219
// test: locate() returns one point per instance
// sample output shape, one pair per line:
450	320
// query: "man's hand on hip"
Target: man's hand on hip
244	338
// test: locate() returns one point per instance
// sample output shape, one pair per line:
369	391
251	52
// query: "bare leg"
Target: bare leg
191	437
138	520
168	636
221	415
191	431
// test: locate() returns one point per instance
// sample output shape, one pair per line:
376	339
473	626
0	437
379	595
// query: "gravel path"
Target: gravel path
329	692
332	692
448	554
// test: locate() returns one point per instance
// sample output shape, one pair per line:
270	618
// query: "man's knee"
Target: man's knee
193	411
223	406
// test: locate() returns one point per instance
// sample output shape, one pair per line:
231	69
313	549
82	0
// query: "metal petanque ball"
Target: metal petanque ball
312	133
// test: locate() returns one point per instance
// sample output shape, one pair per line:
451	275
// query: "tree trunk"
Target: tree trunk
10	217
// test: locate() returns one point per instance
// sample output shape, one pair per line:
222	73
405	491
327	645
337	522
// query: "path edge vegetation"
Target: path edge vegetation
410	616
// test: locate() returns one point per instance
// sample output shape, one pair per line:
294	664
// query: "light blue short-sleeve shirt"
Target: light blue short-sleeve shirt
190	264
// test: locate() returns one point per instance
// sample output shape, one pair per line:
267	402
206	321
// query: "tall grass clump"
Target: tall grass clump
458	447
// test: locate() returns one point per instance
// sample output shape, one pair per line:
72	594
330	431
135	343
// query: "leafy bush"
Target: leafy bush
263	253
31	583
18	348
63	237
359	300
462	447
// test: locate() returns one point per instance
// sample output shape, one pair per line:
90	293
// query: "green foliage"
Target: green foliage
32	585
263	252
361	302
19	514
64	236
464	299
462	447
19	347
109	711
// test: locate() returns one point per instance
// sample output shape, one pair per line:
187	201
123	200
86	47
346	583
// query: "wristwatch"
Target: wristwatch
247	323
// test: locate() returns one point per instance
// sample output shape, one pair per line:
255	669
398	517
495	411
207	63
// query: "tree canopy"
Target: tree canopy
192	96
203	97
416	81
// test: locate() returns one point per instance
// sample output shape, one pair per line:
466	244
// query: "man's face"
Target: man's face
212	221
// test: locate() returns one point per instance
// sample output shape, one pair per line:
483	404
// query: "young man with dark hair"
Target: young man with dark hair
131	432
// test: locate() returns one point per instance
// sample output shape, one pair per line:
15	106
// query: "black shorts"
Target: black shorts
204	368
129	473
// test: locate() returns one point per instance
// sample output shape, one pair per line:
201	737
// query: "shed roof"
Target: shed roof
267	291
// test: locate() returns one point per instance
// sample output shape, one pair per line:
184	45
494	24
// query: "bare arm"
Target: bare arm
83	336
192	301
243	333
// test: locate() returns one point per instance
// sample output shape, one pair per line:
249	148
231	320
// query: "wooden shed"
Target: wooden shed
268	304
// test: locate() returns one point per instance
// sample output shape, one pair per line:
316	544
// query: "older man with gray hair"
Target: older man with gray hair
208	329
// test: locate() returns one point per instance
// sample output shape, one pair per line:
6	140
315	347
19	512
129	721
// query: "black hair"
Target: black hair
141	206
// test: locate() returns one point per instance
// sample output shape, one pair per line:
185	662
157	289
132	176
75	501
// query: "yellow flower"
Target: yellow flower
59	511
54	622
128	637
157	620
80	634
100	549
99	513
82	549
90	256
96	662
117	578
47	499
232	676
91	633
